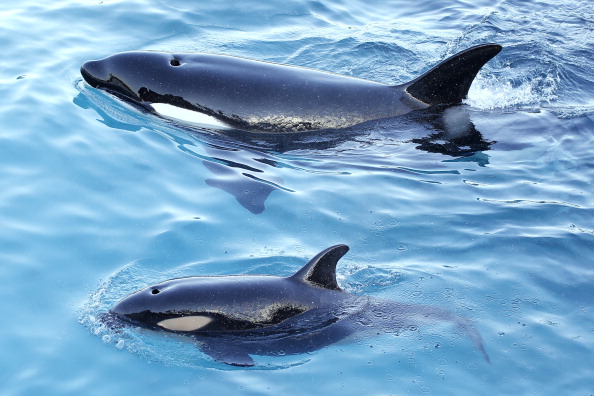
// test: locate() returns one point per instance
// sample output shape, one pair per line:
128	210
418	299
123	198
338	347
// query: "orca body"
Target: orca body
233	317
259	96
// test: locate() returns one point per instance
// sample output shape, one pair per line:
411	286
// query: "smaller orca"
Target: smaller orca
233	317
231	92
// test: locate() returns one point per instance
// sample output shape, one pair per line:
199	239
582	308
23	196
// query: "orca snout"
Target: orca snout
130	305
146	300
93	73
120	309
127	312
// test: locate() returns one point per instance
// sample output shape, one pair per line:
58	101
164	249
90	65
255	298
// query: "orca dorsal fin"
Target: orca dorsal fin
449	81
321	270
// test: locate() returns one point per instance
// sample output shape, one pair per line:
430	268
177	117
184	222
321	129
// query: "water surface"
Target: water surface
98	199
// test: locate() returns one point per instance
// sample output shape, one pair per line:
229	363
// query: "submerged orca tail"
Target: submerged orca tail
449	81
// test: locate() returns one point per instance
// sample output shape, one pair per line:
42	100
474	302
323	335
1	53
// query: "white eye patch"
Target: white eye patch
193	117
185	323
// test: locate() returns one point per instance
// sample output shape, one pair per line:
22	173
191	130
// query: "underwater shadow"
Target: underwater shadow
244	164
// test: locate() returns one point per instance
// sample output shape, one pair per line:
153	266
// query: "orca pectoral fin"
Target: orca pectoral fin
227	353
449	81
249	191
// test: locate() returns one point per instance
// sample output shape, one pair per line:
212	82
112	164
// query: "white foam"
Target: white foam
489	93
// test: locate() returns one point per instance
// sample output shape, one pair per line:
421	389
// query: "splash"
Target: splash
492	92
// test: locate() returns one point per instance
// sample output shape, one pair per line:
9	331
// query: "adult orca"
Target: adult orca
266	97
233	317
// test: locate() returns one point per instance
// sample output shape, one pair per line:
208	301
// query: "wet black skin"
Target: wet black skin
238	302
269	315
267	97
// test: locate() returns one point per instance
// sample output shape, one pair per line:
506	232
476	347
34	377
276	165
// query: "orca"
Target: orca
233	317
241	94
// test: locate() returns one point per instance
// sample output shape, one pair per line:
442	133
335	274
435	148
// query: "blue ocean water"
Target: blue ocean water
98	199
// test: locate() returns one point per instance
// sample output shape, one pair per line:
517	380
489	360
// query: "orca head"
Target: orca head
139	76
181	86
174	305
210	304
